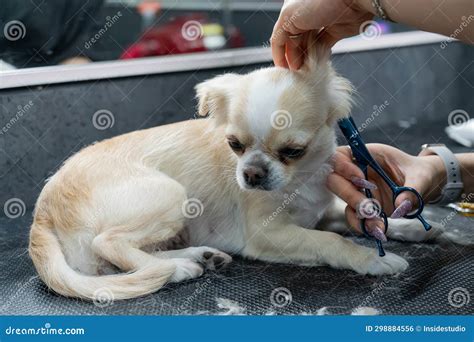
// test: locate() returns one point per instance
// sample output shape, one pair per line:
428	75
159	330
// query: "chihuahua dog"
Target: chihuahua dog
249	180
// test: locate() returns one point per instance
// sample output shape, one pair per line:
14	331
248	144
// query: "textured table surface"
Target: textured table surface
438	281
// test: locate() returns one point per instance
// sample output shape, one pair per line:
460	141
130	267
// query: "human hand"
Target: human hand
339	18
425	174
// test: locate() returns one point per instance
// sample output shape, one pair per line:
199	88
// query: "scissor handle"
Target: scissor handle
397	190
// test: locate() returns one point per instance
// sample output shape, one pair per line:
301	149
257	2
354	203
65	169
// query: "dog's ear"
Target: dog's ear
340	97
318	70
213	96
317	52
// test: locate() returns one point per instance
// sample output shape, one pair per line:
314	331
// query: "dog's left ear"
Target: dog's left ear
213	96
340	97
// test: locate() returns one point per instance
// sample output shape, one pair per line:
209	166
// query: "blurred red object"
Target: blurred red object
183	34
148	6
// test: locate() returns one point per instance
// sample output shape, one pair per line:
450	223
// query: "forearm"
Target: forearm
454	17
466	160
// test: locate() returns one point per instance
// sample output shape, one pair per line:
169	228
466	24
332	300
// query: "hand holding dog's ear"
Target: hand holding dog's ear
339	18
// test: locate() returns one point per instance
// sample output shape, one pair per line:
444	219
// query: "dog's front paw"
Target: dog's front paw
186	269
214	259
408	230
388	264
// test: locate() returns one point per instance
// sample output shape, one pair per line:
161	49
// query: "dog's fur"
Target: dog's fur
104	219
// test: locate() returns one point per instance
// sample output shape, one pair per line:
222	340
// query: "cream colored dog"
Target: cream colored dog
248	180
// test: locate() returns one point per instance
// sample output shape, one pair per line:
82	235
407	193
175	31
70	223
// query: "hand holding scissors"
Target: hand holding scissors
364	160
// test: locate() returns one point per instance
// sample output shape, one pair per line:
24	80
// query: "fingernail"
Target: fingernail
377	232
379	235
363	183
403	209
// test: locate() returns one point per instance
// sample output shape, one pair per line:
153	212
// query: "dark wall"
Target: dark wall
256	27
66	30
422	84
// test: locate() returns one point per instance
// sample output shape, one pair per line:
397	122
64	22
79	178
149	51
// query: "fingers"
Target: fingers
375	226
287	42
345	182
347	178
407	201
342	164
353	220
404	208
327	39
295	52
344	189
286	51
278	43
363	183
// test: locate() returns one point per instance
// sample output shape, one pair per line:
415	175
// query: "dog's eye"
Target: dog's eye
236	145
291	153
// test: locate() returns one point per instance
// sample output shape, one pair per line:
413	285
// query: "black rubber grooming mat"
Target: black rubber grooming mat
261	288
439	280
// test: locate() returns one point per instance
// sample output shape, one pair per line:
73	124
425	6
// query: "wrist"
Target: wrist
436	176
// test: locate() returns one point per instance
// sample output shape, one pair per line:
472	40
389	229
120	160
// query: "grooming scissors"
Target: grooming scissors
363	159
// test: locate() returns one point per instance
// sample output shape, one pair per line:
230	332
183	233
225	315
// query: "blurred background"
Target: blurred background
50	32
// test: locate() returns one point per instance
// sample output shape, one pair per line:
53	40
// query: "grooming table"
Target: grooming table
430	286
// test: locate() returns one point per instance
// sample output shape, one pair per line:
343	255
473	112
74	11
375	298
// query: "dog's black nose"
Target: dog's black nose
255	175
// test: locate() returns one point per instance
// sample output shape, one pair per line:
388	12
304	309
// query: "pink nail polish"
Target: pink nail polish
403	209
376	231
363	183
379	235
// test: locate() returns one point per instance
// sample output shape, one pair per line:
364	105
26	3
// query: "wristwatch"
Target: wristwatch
454	186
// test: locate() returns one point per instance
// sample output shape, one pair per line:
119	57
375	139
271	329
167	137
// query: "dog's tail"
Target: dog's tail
53	269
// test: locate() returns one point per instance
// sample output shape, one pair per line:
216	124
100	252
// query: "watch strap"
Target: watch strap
454	185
